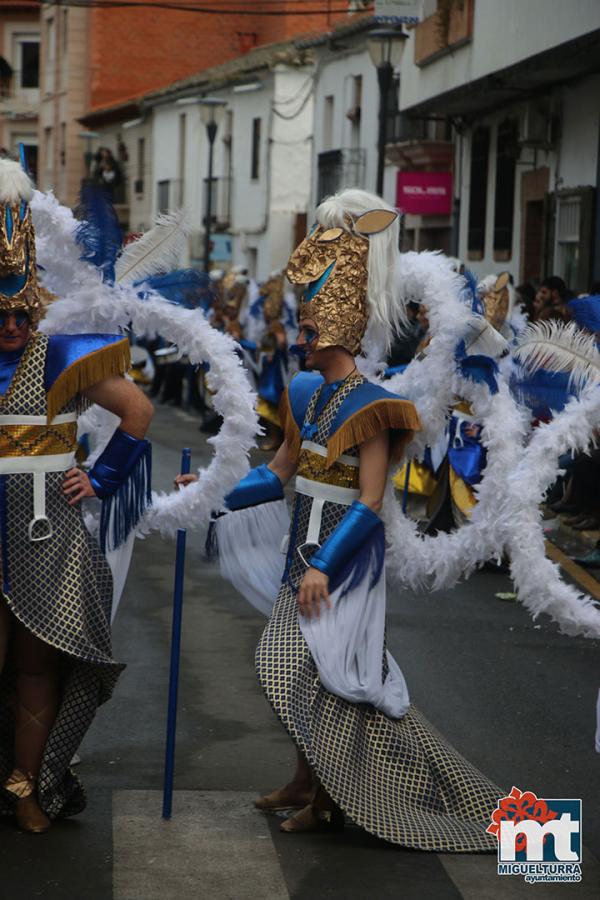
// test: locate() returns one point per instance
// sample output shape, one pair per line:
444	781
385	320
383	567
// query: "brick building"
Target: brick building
93	58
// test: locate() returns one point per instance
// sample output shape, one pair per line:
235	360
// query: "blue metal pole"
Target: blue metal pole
186	458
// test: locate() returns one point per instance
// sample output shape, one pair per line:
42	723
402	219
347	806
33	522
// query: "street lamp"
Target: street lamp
385	46
212	111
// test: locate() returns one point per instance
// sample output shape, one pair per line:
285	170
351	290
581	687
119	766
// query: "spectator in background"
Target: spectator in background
526	298
551	300
107	174
405	344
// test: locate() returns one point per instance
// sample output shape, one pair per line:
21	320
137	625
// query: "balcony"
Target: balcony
221	202
410	144
338	169
448	28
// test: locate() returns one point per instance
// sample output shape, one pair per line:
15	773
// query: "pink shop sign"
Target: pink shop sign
424	193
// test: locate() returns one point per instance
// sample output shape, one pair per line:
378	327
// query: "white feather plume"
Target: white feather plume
15	184
560	348
159	250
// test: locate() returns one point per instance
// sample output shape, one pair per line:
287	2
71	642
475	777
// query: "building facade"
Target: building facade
20	79
516	83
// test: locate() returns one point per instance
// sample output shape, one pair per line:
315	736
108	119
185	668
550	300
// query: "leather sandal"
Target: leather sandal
283	798
30	816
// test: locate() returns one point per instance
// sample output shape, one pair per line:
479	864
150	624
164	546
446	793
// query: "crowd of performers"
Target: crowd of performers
319	572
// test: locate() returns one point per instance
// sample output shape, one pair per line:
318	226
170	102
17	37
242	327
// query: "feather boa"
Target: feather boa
88	305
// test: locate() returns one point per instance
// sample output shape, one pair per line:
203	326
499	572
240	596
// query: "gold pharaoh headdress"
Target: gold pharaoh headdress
19	288
496	302
333	263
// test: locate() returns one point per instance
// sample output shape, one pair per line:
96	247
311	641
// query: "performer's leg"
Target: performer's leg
321	814
37	704
4	631
294	795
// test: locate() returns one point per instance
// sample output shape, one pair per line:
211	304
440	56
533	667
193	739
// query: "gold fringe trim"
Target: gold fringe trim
114	359
371	420
290	429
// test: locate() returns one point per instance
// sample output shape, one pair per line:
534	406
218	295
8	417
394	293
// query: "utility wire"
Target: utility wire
184	7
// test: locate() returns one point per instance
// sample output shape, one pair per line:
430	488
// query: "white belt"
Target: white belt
37	466
37	420
321	493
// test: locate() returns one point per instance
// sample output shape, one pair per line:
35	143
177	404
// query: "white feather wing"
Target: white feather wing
158	251
558	347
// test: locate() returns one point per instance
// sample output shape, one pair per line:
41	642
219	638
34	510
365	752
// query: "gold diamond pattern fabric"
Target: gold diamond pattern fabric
398	779
61	590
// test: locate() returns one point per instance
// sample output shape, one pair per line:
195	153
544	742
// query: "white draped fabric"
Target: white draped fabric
346	642
251	551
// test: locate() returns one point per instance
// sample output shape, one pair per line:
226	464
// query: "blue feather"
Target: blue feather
586	312
482	369
470	294
543	392
185	287
99	233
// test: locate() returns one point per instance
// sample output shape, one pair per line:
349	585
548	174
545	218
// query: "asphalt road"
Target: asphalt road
515	697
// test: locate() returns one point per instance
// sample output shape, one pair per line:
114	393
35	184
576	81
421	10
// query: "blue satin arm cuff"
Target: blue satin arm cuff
116	462
354	532
260	485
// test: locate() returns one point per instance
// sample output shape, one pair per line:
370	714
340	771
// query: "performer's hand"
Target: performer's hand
314	589
76	486
183	480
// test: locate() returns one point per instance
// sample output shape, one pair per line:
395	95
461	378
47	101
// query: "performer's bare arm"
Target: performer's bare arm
374	458
121	397
282	464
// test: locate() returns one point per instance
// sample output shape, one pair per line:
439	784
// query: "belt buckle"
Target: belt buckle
41	537
302	547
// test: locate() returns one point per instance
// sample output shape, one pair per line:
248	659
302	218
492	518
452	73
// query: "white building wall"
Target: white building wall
578	158
336	73
263	209
504	33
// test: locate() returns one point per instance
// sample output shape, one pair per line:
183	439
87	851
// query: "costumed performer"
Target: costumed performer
56	664
363	749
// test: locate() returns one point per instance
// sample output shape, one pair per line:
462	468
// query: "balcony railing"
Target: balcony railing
338	169
220	202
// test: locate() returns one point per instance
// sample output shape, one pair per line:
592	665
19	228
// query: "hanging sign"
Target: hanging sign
424	193
398	12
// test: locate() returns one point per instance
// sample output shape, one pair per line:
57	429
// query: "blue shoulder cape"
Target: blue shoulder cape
75	362
367	411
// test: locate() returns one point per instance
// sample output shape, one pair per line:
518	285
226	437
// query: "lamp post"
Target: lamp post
385	46
211	112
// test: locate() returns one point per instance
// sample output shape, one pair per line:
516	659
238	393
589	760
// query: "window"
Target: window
504	206
162	199
181	162
568	225
354	113
141	165
255	157
29	63
328	112
480	151
49	149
